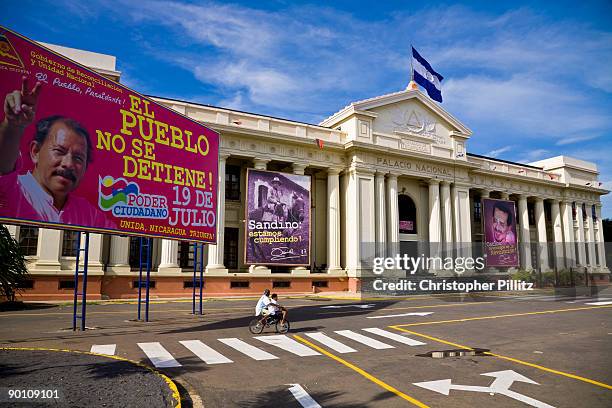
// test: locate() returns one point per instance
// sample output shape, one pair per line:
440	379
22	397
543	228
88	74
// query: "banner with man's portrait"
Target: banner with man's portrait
79	151
277	219
500	234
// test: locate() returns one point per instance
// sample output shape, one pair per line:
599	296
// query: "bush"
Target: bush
524	275
13	269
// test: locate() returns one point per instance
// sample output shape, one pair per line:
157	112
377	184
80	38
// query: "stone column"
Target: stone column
591	237
558	235
602	243
581	250
392	216
260	164
380	210
333	220
12	229
353	258
215	252
463	219
504	195
435	224
525	236
119	257
298	168
49	249
169	256
447	218
541	229
95	251
568	234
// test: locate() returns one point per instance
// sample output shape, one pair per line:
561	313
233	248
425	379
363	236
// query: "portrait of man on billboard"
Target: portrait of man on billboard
60	151
500	233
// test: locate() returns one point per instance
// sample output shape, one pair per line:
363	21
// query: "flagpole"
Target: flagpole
411	67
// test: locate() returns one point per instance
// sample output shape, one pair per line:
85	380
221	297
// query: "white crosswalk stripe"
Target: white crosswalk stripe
360	338
394	336
331	343
245	348
108	349
162	358
205	353
159	356
290	345
599	303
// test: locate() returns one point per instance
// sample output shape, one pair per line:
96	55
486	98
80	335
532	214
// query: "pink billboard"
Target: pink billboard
79	151
500	238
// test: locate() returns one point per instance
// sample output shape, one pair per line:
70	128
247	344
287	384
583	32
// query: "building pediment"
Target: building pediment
408	110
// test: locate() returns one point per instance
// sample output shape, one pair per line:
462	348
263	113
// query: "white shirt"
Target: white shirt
263	301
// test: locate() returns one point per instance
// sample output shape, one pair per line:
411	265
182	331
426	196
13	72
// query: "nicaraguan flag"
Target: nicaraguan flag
425	76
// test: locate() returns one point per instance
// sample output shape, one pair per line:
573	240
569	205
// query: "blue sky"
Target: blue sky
532	80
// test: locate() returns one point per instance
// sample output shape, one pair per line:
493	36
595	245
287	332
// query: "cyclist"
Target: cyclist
262	306
274	308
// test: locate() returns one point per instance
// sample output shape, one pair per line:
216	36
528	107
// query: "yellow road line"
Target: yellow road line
467	319
173	388
539	367
362	372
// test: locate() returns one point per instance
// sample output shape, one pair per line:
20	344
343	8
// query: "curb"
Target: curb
173	388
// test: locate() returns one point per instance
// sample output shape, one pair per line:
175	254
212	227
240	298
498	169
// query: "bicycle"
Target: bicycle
257	327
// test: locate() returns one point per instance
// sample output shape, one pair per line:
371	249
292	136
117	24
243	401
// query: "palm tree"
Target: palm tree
13	270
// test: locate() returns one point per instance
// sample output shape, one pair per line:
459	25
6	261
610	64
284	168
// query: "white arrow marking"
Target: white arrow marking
341	306
400	315
302	396
501	384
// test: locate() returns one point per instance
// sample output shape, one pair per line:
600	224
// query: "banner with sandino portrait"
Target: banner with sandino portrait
277	219
500	237
80	151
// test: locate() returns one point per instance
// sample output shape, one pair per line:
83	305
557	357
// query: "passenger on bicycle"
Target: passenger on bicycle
262	306
274	308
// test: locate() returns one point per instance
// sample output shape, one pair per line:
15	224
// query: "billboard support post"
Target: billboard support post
83	293
145	249
198	265
149	250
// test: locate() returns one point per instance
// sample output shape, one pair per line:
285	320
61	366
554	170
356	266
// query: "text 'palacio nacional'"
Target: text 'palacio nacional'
389	175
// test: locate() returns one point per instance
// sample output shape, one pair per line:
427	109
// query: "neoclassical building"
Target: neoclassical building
390	172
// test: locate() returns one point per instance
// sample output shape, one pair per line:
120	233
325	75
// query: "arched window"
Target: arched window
407	215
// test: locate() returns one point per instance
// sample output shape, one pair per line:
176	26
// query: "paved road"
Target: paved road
530	350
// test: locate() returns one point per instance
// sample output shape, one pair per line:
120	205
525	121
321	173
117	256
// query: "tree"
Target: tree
13	269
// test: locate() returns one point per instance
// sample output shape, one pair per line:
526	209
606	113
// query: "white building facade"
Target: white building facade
376	166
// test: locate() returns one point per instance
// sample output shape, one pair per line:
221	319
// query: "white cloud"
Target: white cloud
497	152
575	139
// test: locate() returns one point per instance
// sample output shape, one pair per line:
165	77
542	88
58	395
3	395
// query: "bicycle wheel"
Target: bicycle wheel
282	328
255	326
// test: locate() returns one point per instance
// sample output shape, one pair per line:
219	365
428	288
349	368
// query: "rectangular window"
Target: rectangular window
185	256
144	284
25	284
239	284
547	211
66	284
28	240
188	284
477	210
69	243
232	182
281	284
574	211
320	284
230	248
531	212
